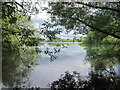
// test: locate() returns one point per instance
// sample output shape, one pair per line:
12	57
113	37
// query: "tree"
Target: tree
17	29
49	31
101	17
16	68
96	80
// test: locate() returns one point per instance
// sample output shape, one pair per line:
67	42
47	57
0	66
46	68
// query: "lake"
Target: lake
31	69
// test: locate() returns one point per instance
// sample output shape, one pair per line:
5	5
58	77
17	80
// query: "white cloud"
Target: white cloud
70	35
36	25
43	15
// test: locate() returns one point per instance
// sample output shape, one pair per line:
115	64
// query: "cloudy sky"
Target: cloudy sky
39	19
43	16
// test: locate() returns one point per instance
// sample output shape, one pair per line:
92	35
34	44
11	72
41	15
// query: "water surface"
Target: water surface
33	69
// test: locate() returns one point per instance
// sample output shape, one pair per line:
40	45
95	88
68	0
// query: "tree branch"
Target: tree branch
98	7
5	3
97	29
102	31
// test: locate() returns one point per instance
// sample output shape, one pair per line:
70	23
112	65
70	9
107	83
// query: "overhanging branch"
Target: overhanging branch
98	7
96	29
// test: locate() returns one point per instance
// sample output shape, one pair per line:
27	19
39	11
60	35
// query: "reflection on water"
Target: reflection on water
16	68
103	56
97	80
69	59
31	69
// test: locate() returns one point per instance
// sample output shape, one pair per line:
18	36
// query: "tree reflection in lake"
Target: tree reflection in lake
103	58
96	81
16	68
52	49
103	76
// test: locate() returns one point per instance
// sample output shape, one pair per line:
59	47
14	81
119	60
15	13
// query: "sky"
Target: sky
44	16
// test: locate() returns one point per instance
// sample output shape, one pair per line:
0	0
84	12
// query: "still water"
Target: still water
32	69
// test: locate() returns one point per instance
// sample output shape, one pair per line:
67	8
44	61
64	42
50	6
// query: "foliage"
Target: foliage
17	29
110	39
97	81
49	31
96	19
64	40
59	44
95	38
16	68
103	56
52	50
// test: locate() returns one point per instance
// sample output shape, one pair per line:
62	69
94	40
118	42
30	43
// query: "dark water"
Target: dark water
31	69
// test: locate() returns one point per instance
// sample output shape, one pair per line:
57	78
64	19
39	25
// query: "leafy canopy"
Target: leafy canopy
17	29
101	17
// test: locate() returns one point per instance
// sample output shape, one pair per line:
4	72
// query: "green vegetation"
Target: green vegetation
96	80
60	40
63	40
102	56
18	33
17	28
98	20
95	38
49	31
16	68
101	25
